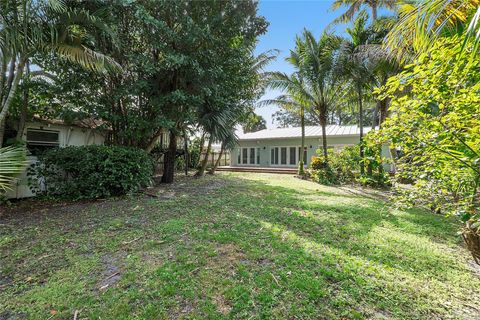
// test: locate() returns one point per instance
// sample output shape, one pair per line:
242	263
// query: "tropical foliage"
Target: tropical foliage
182	67
437	128
12	162
422	23
30	28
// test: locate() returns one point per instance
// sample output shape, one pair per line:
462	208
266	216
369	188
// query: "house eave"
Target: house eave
306	137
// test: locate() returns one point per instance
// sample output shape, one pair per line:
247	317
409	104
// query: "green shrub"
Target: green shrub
321	172
89	172
343	166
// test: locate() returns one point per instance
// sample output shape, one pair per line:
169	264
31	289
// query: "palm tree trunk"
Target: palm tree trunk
301	161
201	170
360	124
217	163
202	142
323	123
169	159
374	11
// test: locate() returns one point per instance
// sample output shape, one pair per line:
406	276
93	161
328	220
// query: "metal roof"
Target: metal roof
296	132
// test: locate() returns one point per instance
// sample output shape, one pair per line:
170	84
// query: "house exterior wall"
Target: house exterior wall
68	136
312	144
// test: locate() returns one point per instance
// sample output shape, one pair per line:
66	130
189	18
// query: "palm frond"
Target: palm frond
12	162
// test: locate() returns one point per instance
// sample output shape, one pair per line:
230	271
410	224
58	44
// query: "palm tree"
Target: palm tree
29	28
295	100
355	67
354	6
316	85
12	162
422	23
228	144
218	123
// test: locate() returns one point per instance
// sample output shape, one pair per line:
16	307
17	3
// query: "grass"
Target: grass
235	246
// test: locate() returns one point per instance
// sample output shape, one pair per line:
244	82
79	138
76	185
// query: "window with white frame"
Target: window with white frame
249	156
286	156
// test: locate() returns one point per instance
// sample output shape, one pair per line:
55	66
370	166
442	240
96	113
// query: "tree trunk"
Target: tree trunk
169	159
217	163
383	111
360	124
301	161
153	141
24	110
2	131
9	98
201	170
185	145
374	11
202	142
323	123
375	114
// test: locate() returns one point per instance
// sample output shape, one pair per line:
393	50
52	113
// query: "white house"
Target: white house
281	147
41	134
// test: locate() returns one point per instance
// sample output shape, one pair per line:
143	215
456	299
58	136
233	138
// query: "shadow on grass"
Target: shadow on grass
249	248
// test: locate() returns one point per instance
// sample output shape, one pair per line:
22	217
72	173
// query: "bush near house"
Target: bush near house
344	166
89	172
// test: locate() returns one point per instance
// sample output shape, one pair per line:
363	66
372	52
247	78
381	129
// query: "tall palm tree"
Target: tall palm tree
355	67
354	6
296	100
29	28
422	22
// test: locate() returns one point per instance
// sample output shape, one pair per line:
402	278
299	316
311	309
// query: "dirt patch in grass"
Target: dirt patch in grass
228	253
222	304
186	186
112	272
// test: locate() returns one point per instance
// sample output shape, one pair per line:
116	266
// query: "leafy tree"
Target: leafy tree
436	126
178	60
254	123
286	118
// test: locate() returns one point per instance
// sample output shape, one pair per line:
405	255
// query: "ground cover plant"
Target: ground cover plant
234	246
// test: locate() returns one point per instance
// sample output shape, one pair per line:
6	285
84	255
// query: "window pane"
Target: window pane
305	160
244	155
293	154
239	154
283	153
276	155
258	155
272	156
42	137
252	155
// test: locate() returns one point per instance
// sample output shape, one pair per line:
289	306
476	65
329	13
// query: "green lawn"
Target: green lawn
241	246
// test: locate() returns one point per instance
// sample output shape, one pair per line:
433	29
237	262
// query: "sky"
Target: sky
288	18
